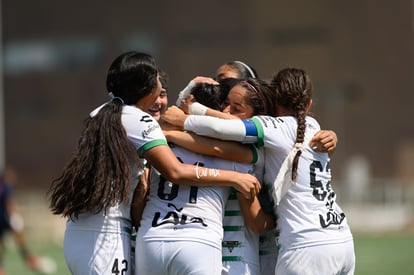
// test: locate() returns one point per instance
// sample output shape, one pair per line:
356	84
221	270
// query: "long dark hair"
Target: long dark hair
132	76
293	89
99	173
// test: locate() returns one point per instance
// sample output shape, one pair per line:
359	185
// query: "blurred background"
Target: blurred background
359	54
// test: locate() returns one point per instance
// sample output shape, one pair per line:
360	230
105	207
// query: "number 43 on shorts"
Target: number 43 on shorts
120	267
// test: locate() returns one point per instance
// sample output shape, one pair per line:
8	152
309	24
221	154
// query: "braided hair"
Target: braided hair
293	89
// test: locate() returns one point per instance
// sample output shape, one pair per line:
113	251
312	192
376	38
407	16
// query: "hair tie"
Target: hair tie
299	146
120	99
115	97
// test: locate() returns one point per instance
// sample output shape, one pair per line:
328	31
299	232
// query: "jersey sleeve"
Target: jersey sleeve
226	129
150	138
259	131
142	129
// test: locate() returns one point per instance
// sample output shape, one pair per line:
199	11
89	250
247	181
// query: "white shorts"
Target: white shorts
176	257
316	260
97	253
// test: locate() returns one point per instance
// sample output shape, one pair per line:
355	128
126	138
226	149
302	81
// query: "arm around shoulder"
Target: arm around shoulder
163	159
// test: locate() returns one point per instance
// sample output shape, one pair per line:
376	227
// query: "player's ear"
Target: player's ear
309	105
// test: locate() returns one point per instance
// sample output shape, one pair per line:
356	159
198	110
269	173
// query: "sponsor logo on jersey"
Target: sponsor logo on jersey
175	217
150	128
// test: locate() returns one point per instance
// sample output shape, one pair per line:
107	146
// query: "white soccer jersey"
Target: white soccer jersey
267	241
176	212
308	214
240	245
245	252
144	132
111	228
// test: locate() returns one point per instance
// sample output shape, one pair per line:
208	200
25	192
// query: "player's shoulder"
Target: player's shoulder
312	123
284	121
274	122
135	117
133	110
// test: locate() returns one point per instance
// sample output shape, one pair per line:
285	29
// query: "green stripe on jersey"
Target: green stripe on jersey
151	144
232	213
233	228
127	230
126	220
231	259
254	152
260	132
